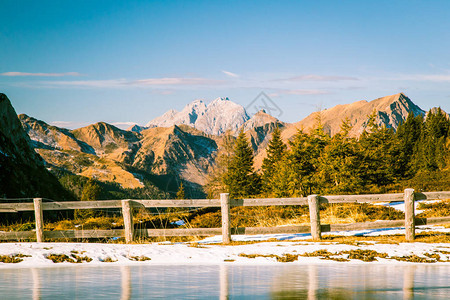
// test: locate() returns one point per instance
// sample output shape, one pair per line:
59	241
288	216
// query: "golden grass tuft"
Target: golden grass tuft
12	259
73	258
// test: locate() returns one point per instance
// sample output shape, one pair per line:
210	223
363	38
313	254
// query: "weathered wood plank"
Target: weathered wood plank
225	211
84	234
410	227
127	213
314	217
432	221
15	207
269	201
67	205
178	203
271	230
179	232
363	225
18	235
361	198
39	219
432	196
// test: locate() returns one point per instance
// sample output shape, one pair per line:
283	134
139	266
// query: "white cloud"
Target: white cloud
175	81
14	74
124	124
313	77
69	124
434	78
87	83
302	92
234	75
149	82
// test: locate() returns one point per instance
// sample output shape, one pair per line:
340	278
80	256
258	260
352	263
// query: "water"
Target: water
287	281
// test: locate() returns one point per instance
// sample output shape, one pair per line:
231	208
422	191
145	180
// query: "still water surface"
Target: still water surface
228	282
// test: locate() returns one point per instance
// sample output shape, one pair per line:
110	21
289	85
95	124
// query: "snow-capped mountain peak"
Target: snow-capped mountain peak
217	117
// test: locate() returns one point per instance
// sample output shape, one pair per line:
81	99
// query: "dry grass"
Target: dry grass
283	258
424	237
138	258
413	258
73	258
108	260
438	209
12	259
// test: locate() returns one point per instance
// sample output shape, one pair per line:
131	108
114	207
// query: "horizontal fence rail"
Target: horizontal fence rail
103	204
225	203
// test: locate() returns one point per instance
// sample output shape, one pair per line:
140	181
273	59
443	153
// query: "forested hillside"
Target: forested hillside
379	160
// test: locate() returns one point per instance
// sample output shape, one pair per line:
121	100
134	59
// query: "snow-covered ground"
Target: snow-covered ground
208	252
205	252
401	205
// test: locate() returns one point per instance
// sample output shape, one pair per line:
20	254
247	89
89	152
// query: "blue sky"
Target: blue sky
73	63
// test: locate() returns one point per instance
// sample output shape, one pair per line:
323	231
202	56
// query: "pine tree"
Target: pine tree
91	192
378	153
216	181
241	180
339	163
276	149
180	192
407	136
432	149
295	172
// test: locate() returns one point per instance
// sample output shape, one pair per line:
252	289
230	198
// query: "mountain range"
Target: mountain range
181	145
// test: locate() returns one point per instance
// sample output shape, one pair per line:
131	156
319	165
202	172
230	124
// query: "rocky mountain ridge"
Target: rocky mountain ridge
22	171
390	112
185	151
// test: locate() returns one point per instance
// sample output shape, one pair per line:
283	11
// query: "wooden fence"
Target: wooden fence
225	203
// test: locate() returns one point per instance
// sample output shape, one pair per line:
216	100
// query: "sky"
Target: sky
73	63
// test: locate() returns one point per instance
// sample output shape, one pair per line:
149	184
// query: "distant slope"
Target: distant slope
22	171
97	154
46	136
110	141
390	111
178	150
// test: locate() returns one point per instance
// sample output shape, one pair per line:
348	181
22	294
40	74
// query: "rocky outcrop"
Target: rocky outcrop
22	171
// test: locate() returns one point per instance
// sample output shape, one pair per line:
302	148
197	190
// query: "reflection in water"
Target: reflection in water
408	282
286	281
36	284
223	282
126	282
313	283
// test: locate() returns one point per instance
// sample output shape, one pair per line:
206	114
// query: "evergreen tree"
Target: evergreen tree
408	135
276	149
432	150
377	152
91	192
216	182
304	160
241	180
293	177
180	192
340	160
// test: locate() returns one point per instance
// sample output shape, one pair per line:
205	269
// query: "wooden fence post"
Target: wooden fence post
225	209
39	219
410	230
314	217
128	221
